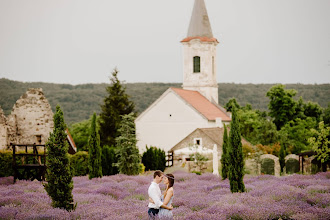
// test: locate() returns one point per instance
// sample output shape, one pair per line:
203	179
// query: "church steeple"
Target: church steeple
199	23
199	52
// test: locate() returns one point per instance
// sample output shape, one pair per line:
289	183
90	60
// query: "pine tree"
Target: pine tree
59	176
117	103
224	157
282	157
235	152
94	151
127	152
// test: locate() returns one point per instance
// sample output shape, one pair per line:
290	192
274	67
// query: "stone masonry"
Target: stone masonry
30	121
3	129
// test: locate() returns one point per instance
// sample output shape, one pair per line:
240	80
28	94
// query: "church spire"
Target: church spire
199	23
199	55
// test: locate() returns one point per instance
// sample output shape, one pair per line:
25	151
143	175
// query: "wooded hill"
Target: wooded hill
79	102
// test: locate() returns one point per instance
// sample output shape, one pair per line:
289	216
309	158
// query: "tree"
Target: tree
199	160
94	153
127	152
80	134
320	144
117	103
282	157
296	133
282	106
109	160
59	176
224	157
154	159
326	115
235	152
266	133
231	103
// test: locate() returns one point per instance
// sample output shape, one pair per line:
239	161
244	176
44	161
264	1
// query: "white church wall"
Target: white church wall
168	121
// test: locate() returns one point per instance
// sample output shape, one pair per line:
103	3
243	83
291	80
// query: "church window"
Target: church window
197	141
197	64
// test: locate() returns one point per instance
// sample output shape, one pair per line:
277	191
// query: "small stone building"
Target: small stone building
30	121
201	140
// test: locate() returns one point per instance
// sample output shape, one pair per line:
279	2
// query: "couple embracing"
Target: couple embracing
160	204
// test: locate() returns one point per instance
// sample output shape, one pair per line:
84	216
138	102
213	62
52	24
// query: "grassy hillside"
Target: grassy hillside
80	101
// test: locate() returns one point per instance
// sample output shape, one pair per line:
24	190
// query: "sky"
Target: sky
82	41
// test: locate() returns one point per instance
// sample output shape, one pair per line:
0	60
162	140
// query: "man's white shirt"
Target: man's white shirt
155	194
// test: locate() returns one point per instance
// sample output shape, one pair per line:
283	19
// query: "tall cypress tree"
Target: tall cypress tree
224	157
282	157
127	152
59	176
94	152
117	103
235	152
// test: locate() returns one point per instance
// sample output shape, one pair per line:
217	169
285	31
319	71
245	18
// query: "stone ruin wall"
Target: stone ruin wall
31	119
3	130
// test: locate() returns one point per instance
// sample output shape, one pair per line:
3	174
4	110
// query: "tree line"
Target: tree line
79	102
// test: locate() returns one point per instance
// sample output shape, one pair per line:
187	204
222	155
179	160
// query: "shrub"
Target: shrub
6	164
273	149
154	159
109	160
79	163
247	150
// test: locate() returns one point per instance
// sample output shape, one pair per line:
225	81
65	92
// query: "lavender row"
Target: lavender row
196	197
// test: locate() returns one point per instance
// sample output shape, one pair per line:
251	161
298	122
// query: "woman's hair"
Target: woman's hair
170	178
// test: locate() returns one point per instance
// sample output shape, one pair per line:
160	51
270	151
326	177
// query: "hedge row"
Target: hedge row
78	162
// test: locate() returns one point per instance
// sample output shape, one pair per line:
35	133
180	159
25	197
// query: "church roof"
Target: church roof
200	27
208	109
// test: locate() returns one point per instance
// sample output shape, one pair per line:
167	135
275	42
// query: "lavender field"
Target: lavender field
196	197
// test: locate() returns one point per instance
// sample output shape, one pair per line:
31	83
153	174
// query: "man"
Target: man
155	194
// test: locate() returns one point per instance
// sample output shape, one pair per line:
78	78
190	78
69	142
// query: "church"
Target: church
180	111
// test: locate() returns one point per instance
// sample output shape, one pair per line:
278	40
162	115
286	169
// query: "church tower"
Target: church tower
199	55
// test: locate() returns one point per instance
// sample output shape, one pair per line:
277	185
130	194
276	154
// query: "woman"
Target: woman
167	197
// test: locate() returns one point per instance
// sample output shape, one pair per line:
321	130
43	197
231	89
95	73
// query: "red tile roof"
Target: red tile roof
72	144
202	104
203	39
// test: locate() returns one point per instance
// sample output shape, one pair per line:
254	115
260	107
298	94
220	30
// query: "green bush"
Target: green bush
108	161
6	164
79	163
292	166
154	159
267	166
197	172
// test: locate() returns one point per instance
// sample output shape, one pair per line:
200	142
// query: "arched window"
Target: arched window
197	64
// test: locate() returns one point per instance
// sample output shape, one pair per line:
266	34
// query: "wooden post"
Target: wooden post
14	161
